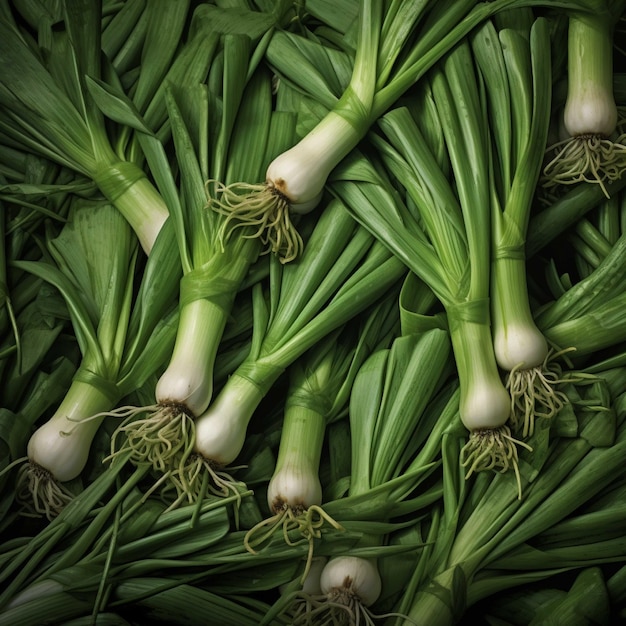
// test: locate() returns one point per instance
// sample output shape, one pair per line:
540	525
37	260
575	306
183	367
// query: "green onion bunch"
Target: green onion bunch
211	124
300	304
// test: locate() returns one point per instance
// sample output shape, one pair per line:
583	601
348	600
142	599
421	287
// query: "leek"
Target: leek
41	111
474	538
592	151
320	383
392	54
211	275
518	91
392	400
58	449
120	344
442	233
295	179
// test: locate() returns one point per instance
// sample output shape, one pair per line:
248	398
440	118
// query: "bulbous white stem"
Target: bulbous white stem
188	379
517	340
300	173
593	112
295	482
354	576
61	445
296	486
519	344
485	403
590	107
221	429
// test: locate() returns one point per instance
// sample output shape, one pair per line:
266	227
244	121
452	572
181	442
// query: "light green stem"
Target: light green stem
517	340
126	186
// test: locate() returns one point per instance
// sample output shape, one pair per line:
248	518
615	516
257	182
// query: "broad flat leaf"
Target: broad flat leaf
231	20
116	105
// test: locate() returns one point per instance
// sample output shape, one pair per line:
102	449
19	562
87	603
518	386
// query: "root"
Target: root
340	607
39	493
156	440
194	477
586	158
534	393
263	208
492	449
308	522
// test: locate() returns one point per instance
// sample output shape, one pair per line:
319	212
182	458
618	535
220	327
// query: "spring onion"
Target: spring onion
515	65
351	581
41	113
295	179
211	275
320	382
389	403
121	344
591	150
294	493
481	528
58	449
445	240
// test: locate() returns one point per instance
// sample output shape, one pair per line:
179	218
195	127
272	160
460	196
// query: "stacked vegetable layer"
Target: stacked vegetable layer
312	312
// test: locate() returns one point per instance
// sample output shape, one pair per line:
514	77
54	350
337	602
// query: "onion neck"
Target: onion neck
126	186
346	577
188	379
300	173
221	429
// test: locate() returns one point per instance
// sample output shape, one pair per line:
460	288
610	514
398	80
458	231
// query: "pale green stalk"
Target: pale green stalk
318	394
518	105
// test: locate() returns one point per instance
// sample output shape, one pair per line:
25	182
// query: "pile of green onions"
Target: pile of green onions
309	313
